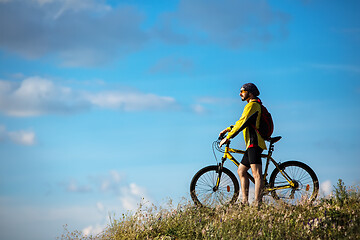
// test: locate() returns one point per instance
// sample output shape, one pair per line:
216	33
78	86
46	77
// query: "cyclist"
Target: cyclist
255	144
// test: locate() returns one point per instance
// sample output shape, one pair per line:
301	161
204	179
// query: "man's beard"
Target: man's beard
246	96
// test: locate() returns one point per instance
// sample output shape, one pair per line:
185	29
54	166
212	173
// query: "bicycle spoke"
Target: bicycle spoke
305	183
204	192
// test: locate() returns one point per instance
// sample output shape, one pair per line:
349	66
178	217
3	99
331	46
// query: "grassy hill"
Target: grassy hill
334	217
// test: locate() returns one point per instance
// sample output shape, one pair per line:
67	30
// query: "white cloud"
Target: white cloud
107	183
127	197
92	33
21	137
35	96
116	176
37	217
199	109
326	188
204	104
100	207
77	32
134	101
110	182
93	230
76	5
132	195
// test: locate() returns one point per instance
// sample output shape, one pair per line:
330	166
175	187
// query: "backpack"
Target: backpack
266	127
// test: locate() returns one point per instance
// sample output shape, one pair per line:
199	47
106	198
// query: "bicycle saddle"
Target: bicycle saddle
274	139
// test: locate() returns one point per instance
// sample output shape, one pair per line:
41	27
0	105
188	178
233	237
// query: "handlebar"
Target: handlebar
217	142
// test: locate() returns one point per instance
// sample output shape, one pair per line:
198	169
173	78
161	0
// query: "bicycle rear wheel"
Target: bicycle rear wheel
202	187
304	178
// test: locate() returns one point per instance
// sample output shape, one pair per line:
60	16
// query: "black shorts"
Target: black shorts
252	156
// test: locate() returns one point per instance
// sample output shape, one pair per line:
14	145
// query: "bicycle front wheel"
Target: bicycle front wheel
306	184
202	187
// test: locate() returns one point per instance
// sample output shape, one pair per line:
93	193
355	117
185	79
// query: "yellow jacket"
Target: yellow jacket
251	136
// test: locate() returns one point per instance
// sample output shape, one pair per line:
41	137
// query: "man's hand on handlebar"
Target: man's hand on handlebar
222	133
221	136
224	141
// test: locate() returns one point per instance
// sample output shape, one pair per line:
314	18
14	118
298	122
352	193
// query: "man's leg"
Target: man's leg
257	174
244	181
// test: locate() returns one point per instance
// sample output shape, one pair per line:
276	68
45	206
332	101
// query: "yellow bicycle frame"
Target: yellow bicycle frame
227	155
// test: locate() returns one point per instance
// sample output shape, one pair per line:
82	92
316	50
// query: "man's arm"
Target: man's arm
248	111
234	130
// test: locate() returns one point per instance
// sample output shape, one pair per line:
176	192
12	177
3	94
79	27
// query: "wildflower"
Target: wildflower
316	222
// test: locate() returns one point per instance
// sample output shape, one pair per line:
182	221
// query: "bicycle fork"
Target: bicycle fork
219	171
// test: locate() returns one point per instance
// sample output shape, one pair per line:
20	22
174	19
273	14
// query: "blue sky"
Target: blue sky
103	103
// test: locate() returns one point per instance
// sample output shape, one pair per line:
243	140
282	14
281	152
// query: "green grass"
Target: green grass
334	217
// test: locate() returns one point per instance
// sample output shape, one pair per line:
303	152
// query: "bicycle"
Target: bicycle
290	181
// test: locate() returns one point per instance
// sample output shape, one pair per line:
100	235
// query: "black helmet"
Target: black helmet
250	87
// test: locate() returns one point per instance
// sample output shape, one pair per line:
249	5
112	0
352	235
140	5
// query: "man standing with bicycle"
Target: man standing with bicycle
255	144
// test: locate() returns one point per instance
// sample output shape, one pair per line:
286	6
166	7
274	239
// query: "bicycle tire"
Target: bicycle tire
203	183
306	183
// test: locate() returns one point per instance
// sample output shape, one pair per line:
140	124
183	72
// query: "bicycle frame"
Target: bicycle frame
268	156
